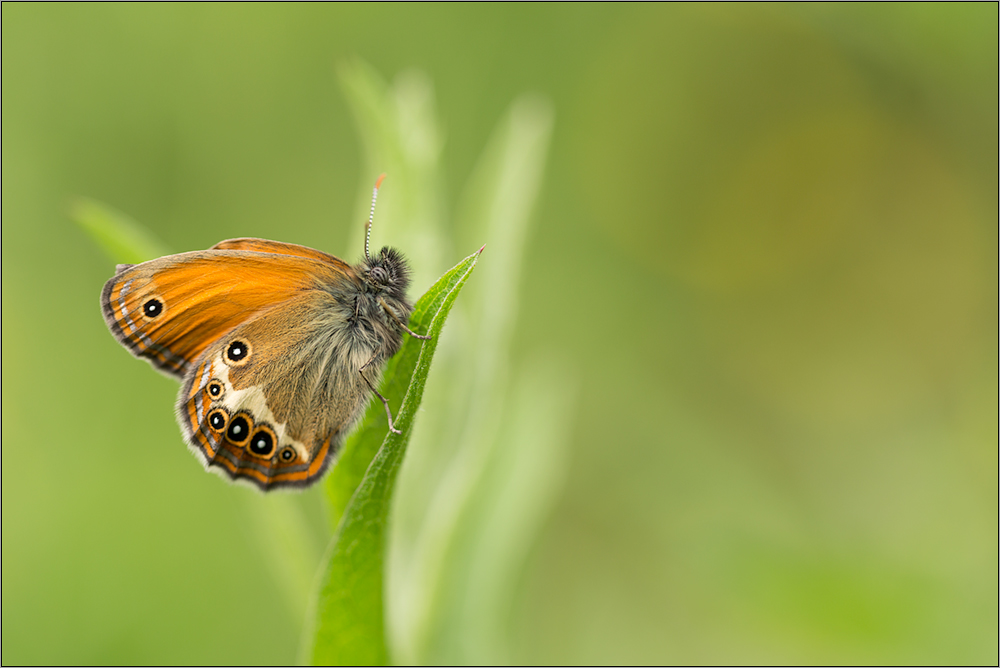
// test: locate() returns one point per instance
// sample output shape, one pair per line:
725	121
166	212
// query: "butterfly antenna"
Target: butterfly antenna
371	216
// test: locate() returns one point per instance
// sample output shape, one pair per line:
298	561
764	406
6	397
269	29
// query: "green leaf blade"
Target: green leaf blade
123	240
349	624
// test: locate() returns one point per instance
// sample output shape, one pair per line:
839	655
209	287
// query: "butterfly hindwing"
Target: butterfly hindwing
271	400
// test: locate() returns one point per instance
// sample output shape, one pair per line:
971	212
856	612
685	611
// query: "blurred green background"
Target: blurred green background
766	250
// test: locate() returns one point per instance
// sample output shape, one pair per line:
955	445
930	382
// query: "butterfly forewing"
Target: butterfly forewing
281	248
170	309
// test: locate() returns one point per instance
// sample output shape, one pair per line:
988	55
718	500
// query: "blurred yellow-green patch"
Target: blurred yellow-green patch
722	389
122	239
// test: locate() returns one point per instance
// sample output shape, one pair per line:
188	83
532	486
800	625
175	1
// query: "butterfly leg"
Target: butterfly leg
370	360
400	322
379	395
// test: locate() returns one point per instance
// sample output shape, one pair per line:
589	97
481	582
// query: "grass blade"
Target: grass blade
440	481
121	238
349	625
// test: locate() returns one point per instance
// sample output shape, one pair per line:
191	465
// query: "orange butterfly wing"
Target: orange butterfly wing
288	303
170	310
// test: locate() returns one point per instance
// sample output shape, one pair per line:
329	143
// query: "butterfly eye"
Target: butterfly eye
262	443
287	454
378	275
217	419
237	352
152	308
239	430
215	389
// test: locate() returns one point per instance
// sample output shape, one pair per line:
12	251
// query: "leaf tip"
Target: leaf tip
480	251
81	210
75	207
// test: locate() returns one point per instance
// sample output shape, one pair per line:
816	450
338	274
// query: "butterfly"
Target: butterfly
278	347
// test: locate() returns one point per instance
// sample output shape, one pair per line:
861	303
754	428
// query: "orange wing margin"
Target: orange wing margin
267	246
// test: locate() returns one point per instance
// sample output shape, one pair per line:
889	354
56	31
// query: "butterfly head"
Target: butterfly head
387	273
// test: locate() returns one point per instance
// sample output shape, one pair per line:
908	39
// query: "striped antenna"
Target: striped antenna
371	216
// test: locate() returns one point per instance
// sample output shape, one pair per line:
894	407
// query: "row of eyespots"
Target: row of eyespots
239	431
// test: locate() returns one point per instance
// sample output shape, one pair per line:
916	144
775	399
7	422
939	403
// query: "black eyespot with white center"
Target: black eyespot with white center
239	430
262	443
237	352
152	308
217	419
287	454
215	389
